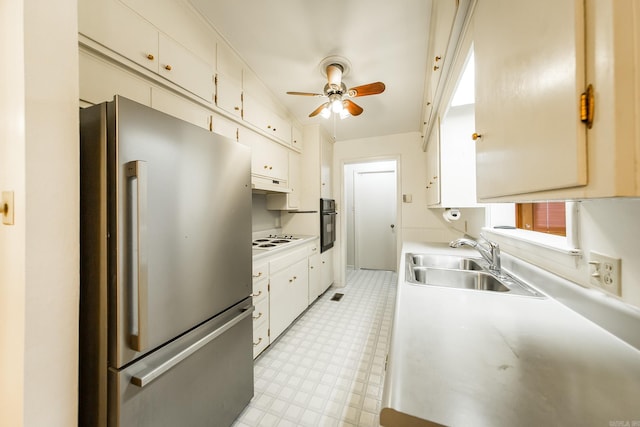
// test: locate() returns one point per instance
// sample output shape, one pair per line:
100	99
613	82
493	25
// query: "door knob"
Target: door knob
392	225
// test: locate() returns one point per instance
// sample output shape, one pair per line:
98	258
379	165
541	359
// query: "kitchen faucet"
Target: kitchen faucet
491	255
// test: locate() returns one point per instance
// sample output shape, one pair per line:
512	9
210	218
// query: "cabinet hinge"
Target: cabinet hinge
215	96
587	106
269	332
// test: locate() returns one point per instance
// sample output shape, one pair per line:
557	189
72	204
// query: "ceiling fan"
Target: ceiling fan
337	91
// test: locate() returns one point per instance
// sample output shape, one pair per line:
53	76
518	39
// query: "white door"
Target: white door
375	219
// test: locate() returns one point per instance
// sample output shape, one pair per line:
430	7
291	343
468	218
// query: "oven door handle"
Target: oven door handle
330	213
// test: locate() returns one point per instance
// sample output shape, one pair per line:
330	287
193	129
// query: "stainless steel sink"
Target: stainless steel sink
463	273
458	279
447	261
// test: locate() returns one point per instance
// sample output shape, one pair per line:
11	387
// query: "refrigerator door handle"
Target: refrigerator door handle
147	376
138	340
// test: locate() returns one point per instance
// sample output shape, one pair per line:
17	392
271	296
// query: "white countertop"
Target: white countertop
475	358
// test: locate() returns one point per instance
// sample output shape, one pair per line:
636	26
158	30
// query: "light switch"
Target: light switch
7	207
407	198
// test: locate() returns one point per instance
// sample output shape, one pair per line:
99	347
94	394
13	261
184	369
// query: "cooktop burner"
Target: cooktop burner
273	241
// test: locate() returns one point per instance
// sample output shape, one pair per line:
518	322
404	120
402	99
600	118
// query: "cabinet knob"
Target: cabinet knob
167	67
438	58
257	295
258	316
475	136
150	57
435	68
236	108
257	343
258	275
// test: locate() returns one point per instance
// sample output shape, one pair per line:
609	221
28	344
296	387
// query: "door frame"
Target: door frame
342	223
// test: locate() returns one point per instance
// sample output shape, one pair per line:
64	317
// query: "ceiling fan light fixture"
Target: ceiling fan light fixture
344	114
325	113
336	103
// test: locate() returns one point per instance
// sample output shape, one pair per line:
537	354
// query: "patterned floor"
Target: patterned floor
327	369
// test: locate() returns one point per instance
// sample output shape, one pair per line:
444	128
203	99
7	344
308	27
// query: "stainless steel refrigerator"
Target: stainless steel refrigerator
165	306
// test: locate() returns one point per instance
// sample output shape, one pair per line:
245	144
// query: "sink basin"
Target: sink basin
458	279
463	273
446	261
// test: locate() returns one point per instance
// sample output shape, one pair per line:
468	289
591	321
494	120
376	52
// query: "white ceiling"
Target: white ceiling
284	41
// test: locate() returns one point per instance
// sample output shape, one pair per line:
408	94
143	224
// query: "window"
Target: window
543	217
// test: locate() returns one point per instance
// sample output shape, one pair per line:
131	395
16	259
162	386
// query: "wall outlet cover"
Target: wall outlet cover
605	272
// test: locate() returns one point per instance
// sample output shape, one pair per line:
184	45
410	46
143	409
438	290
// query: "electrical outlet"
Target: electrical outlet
605	272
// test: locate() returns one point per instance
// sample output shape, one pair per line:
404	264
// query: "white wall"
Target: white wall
261	218
39	255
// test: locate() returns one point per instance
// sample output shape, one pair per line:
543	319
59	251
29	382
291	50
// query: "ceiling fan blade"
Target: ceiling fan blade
304	93
318	110
353	108
364	90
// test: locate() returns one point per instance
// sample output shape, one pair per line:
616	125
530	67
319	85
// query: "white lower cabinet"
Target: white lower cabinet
326	270
289	295
284	285
315	289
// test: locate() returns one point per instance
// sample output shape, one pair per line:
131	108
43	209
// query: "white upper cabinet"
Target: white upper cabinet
529	81
185	69
269	161
223	126
296	138
228	80
533	143
125	32
449	18
265	119
433	167
443	13
117	27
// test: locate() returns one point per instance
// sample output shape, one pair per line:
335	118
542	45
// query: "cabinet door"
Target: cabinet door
229	95
293	198
261	117
326	157
289	296
185	69
326	270
100	81
530	73
314	277
443	13
180	107
296	138
225	127
433	167
268	158
117	27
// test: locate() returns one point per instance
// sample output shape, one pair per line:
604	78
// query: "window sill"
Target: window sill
541	240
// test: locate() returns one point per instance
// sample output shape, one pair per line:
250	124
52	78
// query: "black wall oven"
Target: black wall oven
327	223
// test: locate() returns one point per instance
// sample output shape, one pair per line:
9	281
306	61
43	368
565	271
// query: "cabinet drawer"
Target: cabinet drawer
261	313
260	339
260	271
260	290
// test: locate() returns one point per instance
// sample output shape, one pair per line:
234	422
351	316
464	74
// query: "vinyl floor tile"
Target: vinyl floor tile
327	368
